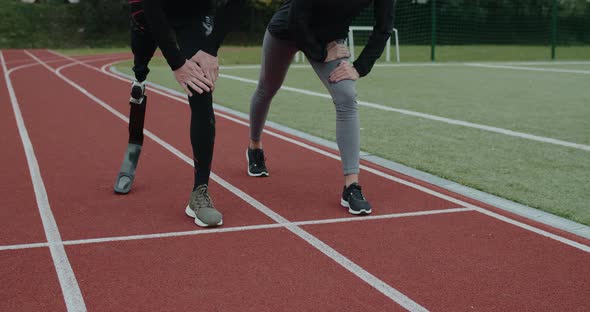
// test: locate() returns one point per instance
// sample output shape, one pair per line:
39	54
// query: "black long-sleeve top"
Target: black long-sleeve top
160	13
314	23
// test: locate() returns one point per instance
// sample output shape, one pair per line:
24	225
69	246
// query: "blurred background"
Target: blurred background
441	30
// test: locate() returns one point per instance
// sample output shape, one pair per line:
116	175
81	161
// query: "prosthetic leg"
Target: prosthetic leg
138	104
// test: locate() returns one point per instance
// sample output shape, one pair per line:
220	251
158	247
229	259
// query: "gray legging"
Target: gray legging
277	55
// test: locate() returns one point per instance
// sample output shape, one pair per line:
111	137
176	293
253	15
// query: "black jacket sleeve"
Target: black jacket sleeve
226	18
384	12
162	32
300	27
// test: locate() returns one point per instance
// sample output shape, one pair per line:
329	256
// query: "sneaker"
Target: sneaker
200	207
137	92
256	165
353	199
127	172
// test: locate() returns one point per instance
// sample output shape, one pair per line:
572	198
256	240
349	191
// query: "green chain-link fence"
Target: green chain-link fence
465	29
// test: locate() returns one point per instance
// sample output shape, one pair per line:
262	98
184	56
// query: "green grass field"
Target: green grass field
549	177
468	53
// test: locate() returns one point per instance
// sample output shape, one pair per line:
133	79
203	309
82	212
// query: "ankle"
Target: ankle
255	145
350	179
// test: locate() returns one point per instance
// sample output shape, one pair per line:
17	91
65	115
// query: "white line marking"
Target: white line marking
23	246
377	172
241	228
30	65
431	117
554	70
445	64
55	61
67	279
352	267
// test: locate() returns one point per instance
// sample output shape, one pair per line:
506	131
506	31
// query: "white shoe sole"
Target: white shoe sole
189	212
265	173
345	204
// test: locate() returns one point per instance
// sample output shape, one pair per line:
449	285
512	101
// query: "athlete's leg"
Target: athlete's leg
191	36
347	134
277	55
347	119
143	47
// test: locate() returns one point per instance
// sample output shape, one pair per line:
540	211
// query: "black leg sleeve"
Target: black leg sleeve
202	135
192	37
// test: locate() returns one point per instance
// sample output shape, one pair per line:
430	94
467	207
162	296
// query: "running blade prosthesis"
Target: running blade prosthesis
127	173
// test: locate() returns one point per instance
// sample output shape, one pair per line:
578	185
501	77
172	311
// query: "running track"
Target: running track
68	243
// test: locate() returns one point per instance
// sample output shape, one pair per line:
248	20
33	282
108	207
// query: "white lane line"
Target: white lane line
352	267
173	94
542	69
241	228
23	246
67	280
456	122
541	63
88	60
444	64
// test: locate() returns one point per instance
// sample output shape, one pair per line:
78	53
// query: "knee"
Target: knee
266	91
345	102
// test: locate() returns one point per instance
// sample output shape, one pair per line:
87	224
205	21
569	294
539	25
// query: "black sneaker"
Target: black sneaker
353	199
256	165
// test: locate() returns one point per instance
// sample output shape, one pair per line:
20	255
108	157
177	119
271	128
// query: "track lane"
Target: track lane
20	222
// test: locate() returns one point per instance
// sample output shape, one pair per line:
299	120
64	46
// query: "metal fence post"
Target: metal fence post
553	29
433	36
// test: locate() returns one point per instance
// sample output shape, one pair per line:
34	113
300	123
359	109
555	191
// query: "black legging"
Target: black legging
190	35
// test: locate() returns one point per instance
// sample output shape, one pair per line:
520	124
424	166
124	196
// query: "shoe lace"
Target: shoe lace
259	158
203	199
356	192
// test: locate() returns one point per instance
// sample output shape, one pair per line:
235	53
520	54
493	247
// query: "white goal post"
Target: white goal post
299	57
351	31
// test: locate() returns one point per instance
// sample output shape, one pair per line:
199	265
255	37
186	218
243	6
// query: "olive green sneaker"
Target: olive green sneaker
200	207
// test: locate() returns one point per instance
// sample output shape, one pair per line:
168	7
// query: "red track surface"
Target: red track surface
455	261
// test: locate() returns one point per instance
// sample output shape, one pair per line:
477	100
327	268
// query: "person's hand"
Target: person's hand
343	71
190	75
209	64
336	51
